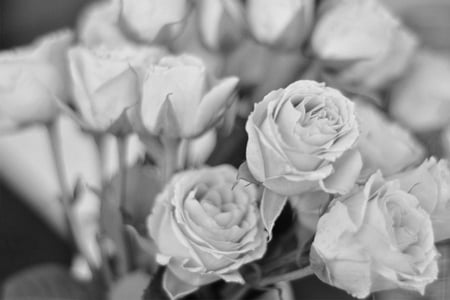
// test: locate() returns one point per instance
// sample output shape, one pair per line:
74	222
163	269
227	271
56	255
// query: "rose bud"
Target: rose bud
283	24
180	99
220	24
99	25
206	228
105	84
384	145
377	237
430	183
370	55
32	78
153	21
423	89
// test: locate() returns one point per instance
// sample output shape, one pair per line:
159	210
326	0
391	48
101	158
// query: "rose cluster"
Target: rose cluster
326	103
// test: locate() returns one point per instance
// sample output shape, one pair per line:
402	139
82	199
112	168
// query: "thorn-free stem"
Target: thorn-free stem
122	152
55	146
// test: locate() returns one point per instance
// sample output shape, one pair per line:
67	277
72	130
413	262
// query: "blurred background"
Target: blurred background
25	239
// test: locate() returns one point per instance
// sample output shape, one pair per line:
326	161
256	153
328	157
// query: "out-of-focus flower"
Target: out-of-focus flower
31	78
301	139
384	145
430	183
221	24
281	24
181	99
205	229
154	20
99	25
375	238
105	84
369	55
200	148
421	99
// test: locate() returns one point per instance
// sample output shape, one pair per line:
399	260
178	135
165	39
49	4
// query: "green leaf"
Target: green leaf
142	250
49	281
271	206
245	174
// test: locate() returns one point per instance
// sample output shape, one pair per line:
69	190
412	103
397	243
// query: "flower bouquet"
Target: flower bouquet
257	143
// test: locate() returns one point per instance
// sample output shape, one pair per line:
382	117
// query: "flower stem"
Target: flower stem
122	145
55	146
294	275
170	161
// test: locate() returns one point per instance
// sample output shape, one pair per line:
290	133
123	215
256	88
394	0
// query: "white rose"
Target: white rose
430	183
154	20
99	25
281	24
421	99
105	83
181	99
206	228
377	237
383	144
221	24
369	55
32	80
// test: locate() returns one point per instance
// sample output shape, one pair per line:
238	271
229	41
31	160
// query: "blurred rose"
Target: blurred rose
369	55
99	25
154	20
181	99
284	24
300	139
200	148
105	83
31	78
384	145
375	238
220	24
421	100
206	228
430	183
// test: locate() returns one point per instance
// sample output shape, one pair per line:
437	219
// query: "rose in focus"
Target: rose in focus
205	228
430	183
375	238
301	139
32	79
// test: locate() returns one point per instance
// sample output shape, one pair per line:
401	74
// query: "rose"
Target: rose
98	25
105	83
300	139
281	23
425	88
31	78
369	55
375	238
220	24
430	183
384	145
205	228
153	20
180	99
